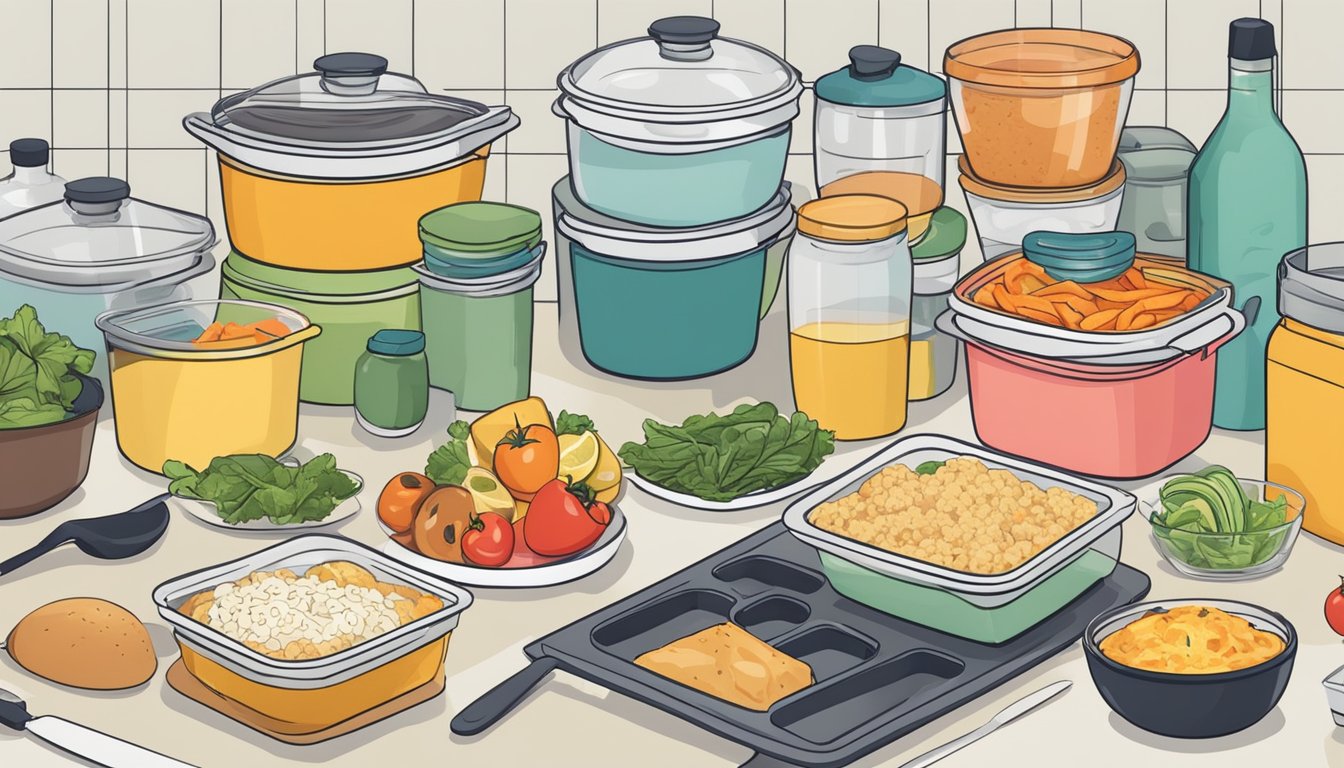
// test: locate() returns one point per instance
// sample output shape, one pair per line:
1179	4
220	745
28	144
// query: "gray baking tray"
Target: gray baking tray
877	677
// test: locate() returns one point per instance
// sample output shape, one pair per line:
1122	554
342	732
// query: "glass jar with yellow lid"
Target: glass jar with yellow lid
849	288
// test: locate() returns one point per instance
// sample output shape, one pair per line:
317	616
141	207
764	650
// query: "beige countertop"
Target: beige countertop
569	722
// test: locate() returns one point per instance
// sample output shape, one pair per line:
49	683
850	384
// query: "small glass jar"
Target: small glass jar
849	288
933	354
392	383
881	129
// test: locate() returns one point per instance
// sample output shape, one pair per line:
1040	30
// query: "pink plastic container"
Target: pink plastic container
1114	421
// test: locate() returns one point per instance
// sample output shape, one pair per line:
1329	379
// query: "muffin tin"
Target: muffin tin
877	677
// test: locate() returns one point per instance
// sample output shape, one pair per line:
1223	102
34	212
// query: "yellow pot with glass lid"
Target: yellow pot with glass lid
849	287
330	170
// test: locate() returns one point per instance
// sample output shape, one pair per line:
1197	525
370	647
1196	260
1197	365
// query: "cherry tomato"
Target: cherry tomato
1334	608
561	521
527	458
600	512
401	499
489	540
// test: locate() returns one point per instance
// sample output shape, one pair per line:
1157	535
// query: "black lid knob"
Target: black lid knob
29	153
684	30
870	62
97	189
351	64
1251	40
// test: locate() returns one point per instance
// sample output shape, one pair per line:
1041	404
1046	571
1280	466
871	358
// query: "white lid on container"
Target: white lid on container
607	236
100	239
683	74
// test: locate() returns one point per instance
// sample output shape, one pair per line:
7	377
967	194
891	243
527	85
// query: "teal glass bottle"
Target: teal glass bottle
1247	207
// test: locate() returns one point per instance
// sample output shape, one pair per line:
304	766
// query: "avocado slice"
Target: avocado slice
1231	490
1194	488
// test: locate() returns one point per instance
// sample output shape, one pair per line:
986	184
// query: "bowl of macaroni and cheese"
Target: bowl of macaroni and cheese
1191	668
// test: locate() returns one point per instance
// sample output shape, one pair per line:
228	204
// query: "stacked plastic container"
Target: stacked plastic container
1040	113
667	222
324	176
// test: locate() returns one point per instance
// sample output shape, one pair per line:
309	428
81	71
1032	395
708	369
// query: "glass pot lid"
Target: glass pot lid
876	77
100	235
683	72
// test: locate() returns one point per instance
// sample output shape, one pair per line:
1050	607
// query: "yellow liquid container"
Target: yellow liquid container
852	378
850	290
1305	387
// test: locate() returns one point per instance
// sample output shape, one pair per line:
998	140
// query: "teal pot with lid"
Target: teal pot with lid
349	306
681	128
669	304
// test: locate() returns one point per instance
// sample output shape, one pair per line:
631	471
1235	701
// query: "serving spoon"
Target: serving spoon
80	741
112	537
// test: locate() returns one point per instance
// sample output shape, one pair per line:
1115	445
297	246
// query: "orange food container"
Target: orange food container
331	170
1041	107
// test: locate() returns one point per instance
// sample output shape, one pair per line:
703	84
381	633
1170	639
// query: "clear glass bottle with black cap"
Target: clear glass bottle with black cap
1247	207
31	184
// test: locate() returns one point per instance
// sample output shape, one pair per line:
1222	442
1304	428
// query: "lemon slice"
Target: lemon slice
487	493
578	455
605	478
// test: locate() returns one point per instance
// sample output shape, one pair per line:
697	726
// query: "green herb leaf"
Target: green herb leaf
722	457
251	487
573	424
929	467
448	464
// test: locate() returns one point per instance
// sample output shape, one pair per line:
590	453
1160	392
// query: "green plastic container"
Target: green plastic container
473	240
350	307
479	339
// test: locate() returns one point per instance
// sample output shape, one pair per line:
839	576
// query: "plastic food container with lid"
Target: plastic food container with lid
175	399
96	250
1004	215
988	608
1157	166
668	304
881	129
1305	385
307	696
330	170
349	306
464	241
937	262
1041	107
679	129
849	288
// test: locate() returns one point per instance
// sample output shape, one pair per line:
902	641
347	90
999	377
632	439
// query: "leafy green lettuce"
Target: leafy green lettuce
719	458
38	384
251	487
448	464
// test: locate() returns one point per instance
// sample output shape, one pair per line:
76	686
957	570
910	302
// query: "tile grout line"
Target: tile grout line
51	72
109	88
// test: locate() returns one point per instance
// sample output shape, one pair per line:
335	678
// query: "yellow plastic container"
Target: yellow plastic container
338	225
1305	387
173	399
307	710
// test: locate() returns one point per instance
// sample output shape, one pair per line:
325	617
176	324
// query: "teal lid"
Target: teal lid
397	342
1081	257
480	227
946	236
875	77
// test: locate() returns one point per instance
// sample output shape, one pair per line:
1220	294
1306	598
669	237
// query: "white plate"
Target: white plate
205	512
747	501
549	574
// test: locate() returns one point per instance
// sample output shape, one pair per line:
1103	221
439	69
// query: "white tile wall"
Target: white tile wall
108	81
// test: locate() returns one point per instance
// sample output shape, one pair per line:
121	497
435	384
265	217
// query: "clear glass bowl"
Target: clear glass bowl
1229	556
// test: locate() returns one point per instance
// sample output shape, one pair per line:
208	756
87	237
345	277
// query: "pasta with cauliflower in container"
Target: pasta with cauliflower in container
959	514
331	607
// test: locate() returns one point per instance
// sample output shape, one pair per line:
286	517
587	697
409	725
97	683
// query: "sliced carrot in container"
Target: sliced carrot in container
1100	321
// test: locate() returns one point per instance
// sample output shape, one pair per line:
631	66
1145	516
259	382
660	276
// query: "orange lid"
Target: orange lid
1042	58
975	185
852	218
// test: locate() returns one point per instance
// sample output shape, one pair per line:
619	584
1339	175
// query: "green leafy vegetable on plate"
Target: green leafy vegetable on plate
722	457
448	464
38	382
249	487
1210	522
573	424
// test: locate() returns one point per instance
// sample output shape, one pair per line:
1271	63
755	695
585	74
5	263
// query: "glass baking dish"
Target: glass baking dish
310	695
990	608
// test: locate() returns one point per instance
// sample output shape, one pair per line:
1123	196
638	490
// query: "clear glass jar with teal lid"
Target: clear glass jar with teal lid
472	240
392	383
937	260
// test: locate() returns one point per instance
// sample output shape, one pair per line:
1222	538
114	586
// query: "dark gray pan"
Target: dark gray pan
877	678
